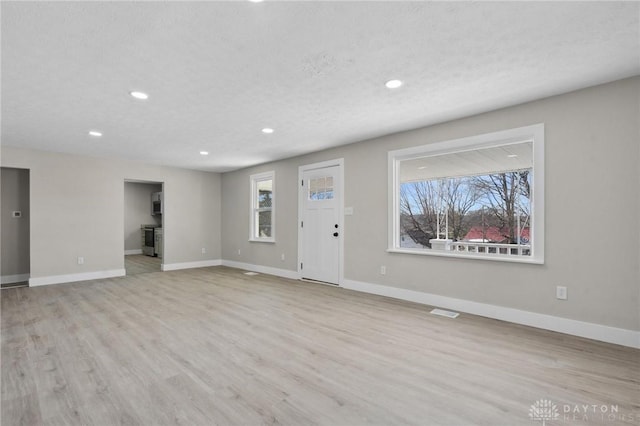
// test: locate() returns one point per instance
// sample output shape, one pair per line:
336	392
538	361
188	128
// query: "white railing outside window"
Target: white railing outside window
490	248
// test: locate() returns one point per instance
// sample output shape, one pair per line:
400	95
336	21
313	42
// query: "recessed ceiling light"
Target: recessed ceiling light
256	1
204	152
139	95
95	133
267	130
393	84
422	167
512	155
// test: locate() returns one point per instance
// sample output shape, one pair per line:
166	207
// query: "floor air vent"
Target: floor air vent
251	273
444	313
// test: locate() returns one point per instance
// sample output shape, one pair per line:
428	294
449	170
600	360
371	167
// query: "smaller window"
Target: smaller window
263	207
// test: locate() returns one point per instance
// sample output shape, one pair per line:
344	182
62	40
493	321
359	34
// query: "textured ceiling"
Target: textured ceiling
218	72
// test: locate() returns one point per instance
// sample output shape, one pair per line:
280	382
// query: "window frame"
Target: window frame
254	208
533	133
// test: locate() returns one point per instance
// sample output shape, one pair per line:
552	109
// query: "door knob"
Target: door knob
335	234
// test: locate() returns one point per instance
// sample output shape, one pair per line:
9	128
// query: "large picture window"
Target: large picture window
479	197
263	207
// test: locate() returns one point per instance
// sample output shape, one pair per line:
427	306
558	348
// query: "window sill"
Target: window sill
493	257
262	240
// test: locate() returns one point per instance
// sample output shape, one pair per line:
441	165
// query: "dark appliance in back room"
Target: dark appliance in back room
152	240
156	203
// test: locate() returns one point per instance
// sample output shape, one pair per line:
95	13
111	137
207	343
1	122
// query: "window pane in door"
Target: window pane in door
321	188
328	188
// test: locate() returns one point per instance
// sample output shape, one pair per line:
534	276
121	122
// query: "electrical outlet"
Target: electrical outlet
80	260
238	252
383	270
282	257
204	250
561	292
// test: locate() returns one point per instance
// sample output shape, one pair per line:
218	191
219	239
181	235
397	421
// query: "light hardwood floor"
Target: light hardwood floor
141	264
213	346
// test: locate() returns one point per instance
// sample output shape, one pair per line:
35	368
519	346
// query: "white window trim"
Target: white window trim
254	179
534	133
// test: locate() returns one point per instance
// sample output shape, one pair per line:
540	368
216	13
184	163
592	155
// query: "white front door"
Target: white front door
321	224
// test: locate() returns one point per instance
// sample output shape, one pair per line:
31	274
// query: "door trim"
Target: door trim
339	162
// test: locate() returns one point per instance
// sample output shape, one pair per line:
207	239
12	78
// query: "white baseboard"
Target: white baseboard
85	276
10	279
284	273
129	252
619	336
189	265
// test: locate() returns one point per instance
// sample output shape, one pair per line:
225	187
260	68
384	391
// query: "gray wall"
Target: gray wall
14	187
591	205
137	211
77	206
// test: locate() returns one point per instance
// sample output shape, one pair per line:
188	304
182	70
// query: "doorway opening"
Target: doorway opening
15	267
143	226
